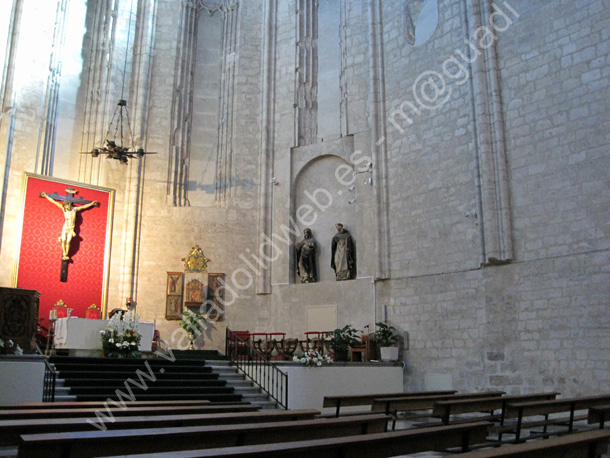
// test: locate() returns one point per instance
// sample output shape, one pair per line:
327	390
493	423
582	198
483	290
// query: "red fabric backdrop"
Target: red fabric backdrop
40	255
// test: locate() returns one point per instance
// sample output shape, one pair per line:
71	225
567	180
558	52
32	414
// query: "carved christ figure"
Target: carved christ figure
69	211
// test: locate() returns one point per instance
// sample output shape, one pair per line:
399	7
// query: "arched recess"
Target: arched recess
323	193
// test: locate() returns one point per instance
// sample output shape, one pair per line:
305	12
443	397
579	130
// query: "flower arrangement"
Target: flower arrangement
313	358
8	347
121	338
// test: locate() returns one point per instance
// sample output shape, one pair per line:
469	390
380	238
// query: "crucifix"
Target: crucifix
69	210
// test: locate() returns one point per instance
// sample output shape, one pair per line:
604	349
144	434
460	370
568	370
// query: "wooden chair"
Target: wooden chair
287	347
314	340
238	343
62	309
366	350
93	312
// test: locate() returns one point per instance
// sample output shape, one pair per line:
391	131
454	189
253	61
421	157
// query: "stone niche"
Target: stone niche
325	181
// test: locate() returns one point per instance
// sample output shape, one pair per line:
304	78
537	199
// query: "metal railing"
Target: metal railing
50	379
257	367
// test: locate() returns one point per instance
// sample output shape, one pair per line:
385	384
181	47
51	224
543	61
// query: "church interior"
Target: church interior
281	169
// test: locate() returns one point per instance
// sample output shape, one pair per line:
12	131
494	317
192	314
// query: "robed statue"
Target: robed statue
306	258
342	254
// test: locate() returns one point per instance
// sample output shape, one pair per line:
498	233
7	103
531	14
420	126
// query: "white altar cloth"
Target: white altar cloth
84	334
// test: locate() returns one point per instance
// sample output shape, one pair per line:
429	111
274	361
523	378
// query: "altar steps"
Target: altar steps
159	382
93	379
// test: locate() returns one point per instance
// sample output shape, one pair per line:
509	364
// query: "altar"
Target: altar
81	336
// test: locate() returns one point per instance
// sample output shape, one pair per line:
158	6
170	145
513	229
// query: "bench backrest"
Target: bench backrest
10	430
389	405
130	411
367	399
364	446
525	409
448	407
93	443
599	414
583	444
102	404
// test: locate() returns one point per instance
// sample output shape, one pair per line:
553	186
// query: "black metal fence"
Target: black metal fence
50	379
257	366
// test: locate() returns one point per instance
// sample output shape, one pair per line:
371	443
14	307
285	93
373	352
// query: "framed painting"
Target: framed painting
173	307
173	297
214	304
194	293
174	283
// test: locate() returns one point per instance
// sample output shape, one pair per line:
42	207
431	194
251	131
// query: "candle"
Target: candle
53	314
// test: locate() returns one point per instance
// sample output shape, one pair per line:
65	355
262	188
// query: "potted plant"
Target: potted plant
194	324
386	339
340	341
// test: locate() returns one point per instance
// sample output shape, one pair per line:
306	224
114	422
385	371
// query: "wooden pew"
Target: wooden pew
599	414
444	409
588	444
88	444
10	430
523	410
376	445
130	411
391	406
367	399
80	405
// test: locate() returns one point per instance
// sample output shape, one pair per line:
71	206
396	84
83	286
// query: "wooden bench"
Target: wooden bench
522	410
88	444
367	399
599	414
391	406
130	411
10	430
444	409
588	444
377	445
80	405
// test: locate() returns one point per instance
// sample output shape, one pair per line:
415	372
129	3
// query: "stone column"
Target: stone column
492	186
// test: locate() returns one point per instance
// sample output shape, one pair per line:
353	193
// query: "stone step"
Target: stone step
242	385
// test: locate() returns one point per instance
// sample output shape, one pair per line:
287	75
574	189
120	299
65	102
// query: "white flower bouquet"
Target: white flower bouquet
121	338
313	358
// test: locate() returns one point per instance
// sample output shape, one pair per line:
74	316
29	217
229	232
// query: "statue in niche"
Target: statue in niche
342	254
306	258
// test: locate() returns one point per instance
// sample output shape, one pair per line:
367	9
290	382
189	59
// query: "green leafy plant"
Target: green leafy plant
341	339
385	336
193	323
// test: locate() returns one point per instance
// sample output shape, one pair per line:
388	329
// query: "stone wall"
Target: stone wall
483	227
